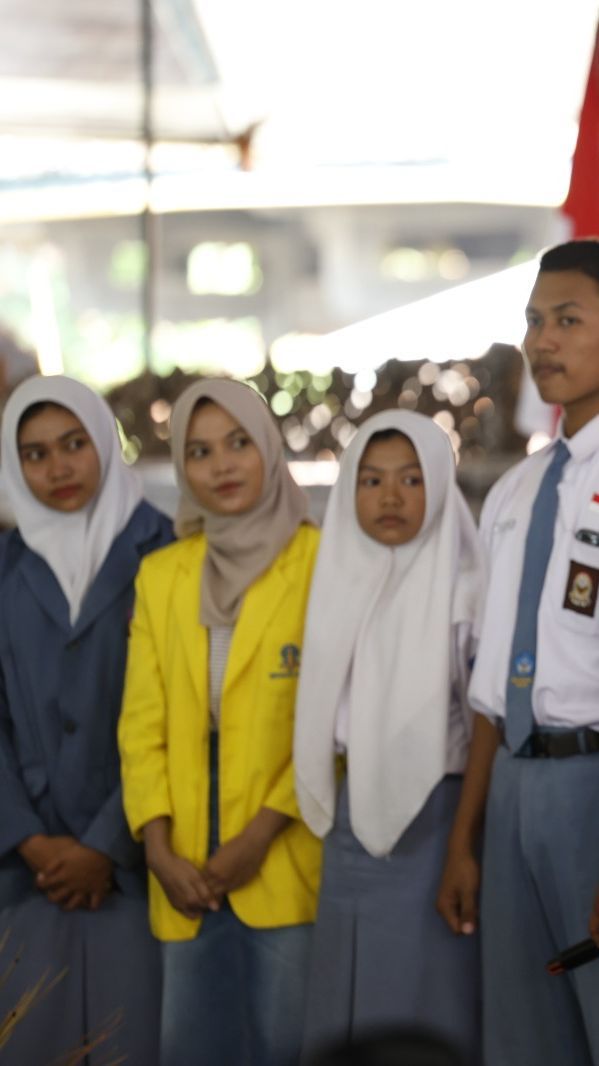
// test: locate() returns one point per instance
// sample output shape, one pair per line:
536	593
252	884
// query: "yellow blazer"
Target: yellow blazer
165	723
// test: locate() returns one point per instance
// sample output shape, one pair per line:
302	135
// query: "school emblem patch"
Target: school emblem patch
289	661
523	669
581	589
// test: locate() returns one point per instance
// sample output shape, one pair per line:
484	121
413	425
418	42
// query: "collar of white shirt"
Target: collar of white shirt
584	443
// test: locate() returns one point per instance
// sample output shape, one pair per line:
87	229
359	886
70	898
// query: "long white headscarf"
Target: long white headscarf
73	545
381	619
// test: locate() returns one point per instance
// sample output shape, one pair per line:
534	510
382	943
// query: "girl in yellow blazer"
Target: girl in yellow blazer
206	737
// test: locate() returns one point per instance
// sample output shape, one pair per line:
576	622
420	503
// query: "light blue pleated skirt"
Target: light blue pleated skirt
382	955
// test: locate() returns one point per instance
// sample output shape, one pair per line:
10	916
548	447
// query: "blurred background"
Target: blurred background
338	201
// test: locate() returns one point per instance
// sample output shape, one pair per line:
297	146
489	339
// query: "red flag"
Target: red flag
581	211
582	202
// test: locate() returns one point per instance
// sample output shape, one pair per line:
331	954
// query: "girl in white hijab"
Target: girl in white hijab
206	737
71	877
388	638
74	542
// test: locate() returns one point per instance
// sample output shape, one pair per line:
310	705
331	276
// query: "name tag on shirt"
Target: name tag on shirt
502	527
588	536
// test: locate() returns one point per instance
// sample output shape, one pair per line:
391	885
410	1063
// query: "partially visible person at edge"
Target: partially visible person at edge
402	1046
206	737
72	881
533	769
385	670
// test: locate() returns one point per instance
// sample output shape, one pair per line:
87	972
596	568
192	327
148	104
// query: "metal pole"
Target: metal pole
149	233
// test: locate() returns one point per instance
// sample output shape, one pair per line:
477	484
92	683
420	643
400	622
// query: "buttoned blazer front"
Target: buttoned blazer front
60	697
165	725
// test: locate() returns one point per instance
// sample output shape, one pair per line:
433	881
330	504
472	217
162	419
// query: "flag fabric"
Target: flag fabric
580	211
581	206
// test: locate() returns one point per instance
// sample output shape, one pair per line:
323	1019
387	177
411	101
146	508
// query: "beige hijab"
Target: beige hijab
241	547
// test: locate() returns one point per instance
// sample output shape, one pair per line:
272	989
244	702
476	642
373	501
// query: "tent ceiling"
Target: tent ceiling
470	99
76	69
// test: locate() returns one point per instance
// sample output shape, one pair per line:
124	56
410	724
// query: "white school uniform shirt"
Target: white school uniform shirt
566	684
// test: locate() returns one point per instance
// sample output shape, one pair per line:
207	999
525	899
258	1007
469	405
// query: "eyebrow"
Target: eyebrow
556	307
198	440
381	469
43	443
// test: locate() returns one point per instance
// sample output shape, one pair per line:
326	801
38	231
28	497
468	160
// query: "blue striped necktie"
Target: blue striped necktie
519	720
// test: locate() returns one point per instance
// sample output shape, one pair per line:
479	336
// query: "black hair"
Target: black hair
391	433
580	255
36	409
401	1047
385	434
204	401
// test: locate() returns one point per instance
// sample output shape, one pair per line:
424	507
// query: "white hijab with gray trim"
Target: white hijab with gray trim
383	618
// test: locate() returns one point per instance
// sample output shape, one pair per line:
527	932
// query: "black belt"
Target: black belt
541	745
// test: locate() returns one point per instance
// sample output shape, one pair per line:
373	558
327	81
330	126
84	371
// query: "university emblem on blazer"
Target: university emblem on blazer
289	661
523	669
581	589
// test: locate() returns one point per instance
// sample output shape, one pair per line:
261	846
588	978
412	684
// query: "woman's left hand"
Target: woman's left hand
234	864
79	877
238	860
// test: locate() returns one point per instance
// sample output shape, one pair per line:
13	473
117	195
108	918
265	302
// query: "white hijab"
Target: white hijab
73	545
379	627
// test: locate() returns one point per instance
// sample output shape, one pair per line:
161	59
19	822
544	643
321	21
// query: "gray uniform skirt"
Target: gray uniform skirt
382	955
111	988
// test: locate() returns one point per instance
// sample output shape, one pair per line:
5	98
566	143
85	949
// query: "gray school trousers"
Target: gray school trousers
540	874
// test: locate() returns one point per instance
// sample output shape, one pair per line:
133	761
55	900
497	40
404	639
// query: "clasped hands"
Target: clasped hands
69	873
192	890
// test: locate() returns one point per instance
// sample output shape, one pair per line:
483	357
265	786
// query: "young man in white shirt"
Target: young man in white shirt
533	771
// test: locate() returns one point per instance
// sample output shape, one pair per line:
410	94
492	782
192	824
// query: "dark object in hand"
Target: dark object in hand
576	955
